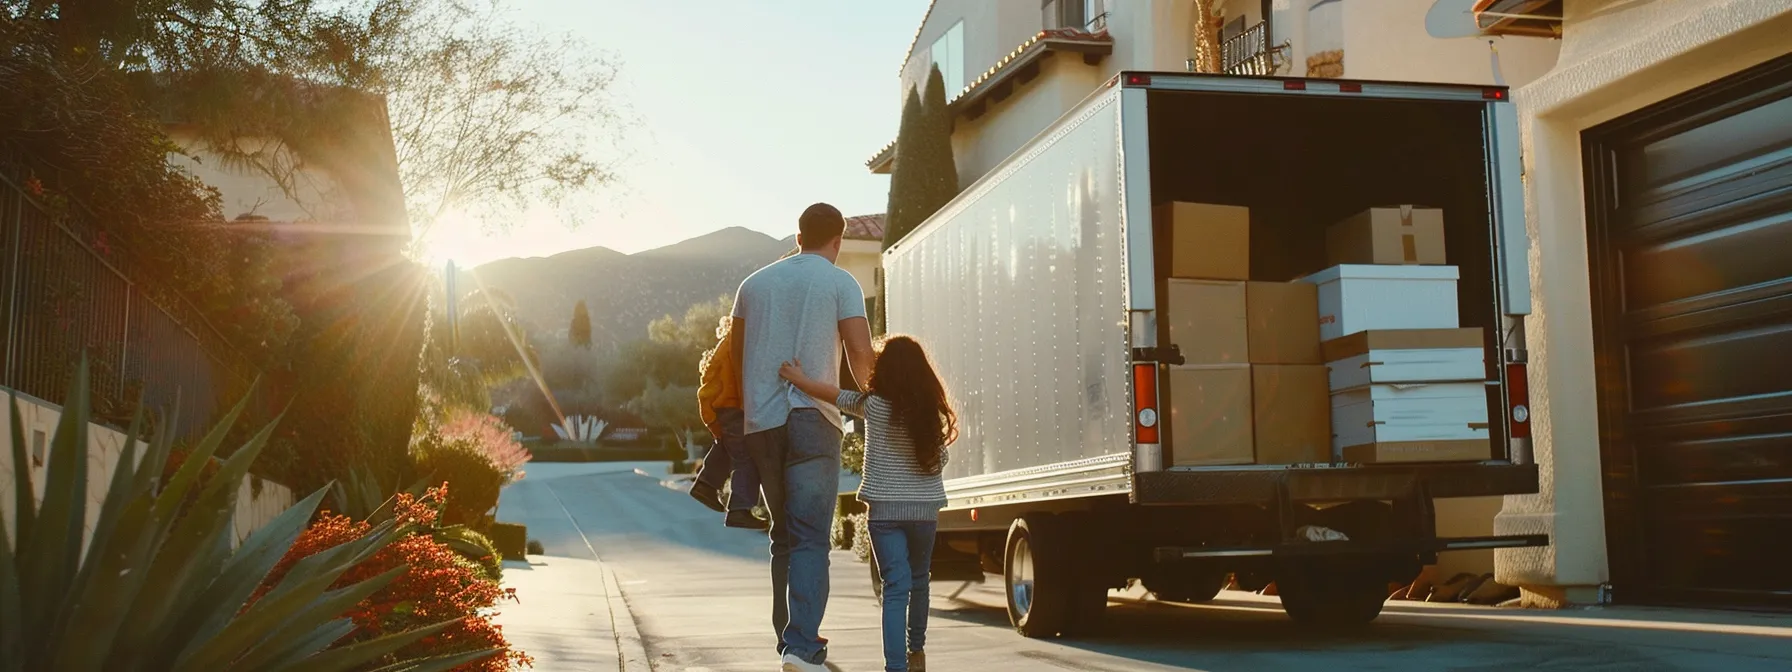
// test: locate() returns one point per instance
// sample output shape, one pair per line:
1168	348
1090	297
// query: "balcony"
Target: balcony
1247	53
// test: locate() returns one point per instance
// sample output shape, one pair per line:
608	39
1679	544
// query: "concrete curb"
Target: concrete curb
631	651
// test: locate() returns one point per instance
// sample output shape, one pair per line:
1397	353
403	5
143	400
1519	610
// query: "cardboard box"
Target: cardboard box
1405	356
1357	297
1292	418
1393	235
1207	242
1207	321
1409	413
1280	317
1464	450
1210	415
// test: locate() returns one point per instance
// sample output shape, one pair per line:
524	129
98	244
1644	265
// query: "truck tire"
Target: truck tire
1331	593
1188	585
1089	584
1038	577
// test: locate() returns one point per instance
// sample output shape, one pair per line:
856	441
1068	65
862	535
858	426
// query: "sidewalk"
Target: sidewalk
570	614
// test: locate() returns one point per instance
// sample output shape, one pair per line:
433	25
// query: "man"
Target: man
800	308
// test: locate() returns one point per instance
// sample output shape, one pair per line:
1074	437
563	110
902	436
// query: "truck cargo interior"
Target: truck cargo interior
1303	163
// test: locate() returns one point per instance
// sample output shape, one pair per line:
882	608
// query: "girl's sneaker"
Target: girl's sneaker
795	664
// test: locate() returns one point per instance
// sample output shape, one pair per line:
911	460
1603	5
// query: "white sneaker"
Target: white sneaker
795	664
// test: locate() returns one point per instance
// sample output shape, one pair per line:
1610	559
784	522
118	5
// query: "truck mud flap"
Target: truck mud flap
1322	548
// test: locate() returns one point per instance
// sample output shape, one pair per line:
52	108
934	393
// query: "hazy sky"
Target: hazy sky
748	110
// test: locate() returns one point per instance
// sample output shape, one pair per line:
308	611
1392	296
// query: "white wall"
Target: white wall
246	190
1616	57
978	145
992	29
1386	39
862	258
105	448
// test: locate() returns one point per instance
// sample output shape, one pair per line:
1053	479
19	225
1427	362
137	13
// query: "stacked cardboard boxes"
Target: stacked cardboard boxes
1406	383
1210	393
1253	387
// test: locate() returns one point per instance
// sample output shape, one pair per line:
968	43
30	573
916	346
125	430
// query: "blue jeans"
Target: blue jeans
904	552
799	471
729	456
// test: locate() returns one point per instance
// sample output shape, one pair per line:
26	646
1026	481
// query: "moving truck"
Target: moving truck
1091	455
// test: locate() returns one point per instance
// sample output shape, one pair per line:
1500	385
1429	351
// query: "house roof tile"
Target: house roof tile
865	227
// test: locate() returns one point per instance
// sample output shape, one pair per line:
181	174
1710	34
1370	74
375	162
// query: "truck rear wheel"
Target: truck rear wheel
1038	575
1173	584
1335	594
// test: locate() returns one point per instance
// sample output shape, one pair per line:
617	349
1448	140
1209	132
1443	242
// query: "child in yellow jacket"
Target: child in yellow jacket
719	401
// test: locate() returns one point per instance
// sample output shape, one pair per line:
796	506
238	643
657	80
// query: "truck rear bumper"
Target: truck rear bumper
1384	482
1396	547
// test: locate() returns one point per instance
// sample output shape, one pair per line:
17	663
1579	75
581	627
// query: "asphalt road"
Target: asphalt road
700	593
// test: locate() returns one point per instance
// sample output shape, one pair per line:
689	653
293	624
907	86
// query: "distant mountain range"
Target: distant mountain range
625	292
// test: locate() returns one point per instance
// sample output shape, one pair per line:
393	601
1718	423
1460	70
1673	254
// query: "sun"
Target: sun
453	237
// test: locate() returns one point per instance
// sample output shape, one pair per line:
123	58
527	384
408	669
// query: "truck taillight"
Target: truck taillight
1144	402
1518	399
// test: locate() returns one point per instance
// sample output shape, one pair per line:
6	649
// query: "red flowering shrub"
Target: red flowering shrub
439	586
491	436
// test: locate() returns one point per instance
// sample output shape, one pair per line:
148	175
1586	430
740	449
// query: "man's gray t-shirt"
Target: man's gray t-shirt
792	310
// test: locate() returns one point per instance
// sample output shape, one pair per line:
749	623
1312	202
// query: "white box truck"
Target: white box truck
1039	291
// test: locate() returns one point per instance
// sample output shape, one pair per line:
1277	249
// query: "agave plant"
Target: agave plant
158	586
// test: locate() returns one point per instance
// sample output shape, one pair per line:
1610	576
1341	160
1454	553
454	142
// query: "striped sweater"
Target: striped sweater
894	486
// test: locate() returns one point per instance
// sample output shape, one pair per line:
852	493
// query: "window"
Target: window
948	54
1089	15
1095	15
1232	29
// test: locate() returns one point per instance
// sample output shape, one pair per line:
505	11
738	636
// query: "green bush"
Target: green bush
473	481
159	586
476	548
535	547
512	540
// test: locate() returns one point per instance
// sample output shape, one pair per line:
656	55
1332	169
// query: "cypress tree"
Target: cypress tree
940	176
580	333
898	217
925	176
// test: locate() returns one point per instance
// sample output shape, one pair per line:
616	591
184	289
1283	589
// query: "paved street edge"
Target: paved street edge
631	652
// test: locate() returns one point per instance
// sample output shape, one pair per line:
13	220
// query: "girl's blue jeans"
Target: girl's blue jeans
904	552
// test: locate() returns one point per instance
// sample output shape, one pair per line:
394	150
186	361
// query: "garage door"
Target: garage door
1690	231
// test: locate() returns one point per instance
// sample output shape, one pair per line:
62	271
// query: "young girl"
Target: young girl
908	426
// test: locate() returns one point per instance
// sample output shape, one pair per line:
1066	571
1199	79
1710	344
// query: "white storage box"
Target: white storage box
1405	356
1359	297
1405	413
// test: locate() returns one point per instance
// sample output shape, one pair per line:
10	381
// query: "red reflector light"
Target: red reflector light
1350	88
973	515
1494	94
1294	85
1518	398
1138	80
1144	402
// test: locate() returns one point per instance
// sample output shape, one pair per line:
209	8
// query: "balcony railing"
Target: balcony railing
1247	53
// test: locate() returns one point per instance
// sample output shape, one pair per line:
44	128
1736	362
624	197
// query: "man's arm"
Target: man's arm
855	332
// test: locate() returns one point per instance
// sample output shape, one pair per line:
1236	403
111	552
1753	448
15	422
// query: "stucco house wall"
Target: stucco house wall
1616	57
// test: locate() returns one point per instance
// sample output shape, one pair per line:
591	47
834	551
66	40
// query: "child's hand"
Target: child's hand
792	371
